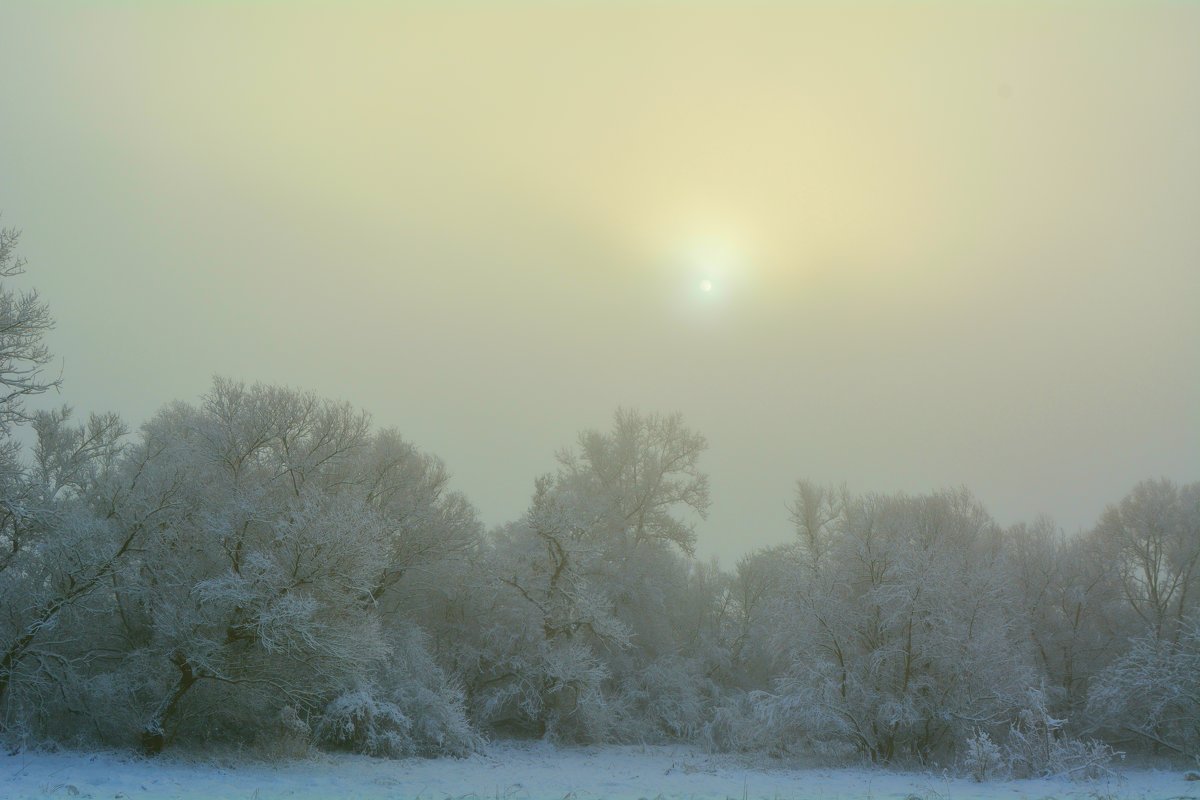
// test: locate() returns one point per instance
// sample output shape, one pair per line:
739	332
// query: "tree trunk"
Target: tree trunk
154	736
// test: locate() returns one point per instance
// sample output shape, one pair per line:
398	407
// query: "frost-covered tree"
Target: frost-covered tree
539	661
250	586
429	527
1072	603
901	627
53	552
756	584
1151	539
24	322
262	537
1153	691
64	548
600	620
638	488
635	480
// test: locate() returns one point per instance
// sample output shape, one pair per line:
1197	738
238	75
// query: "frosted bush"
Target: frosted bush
1036	747
359	721
666	698
1154	691
735	726
289	738
433	702
982	758
411	708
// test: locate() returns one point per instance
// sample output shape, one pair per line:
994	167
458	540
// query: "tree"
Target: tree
1153	691
542	666
900	625
235	560
63	550
52	553
637	479
1152	540
24	322
759	580
429	528
1068	592
600	602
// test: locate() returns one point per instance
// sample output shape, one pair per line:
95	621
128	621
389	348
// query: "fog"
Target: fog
945	244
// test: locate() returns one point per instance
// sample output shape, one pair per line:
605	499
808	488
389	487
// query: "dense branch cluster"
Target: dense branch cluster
265	568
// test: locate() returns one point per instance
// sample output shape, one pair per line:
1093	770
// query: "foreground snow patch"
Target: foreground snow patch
510	771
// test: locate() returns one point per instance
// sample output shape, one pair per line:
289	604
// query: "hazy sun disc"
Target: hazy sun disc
706	286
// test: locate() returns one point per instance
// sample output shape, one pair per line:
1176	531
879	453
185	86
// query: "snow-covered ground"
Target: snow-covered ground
516	771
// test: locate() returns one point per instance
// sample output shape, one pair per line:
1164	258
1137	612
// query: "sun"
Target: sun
706	285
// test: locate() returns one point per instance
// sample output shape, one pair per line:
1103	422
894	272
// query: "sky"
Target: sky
944	243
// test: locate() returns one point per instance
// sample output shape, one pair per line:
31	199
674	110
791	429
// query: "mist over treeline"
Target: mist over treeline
262	567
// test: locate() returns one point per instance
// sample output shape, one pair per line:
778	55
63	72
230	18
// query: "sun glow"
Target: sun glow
712	270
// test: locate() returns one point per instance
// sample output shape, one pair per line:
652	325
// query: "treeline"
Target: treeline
265	568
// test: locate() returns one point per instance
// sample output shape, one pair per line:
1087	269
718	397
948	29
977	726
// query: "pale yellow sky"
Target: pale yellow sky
948	243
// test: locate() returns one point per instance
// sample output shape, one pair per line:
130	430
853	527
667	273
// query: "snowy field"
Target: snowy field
516	771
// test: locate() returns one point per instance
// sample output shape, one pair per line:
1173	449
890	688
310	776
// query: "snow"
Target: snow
516	771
